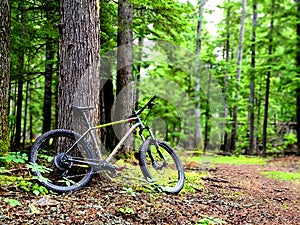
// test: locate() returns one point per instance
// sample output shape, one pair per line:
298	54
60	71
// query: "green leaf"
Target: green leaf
12	202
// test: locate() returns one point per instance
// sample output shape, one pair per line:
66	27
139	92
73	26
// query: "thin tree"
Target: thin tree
20	79
238	75
79	59
198	130
226	77
107	95
141	13
267	93
107	98
49	69
48	86
4	74
252	78
124	94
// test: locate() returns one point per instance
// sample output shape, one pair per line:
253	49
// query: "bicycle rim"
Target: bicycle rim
53	166
161	167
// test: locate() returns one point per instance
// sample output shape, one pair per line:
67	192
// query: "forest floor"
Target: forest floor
232	194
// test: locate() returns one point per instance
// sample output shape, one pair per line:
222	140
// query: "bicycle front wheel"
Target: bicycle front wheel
161	166
53	162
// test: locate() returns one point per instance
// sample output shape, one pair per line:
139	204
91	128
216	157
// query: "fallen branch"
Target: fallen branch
215	179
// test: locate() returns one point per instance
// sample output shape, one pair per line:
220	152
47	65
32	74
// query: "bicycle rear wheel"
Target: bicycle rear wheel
161	166
53	164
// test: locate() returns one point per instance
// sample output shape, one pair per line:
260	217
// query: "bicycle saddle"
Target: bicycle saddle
82	108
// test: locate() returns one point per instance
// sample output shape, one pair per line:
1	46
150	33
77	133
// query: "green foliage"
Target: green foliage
126	210
193	181
35	23
129	191
235	160
280	175
12	202
209	220
290	139
15	157
14	164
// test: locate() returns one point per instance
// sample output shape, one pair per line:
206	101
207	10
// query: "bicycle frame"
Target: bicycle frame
133	118
121	142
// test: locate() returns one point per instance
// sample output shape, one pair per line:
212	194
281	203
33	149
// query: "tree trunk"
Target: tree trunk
266	107
139	68
124	98
227	59
4	74
25	116
79	56
107	99
20	81
207	115
48	86
198	130
252	78
51	8
238	76
298	75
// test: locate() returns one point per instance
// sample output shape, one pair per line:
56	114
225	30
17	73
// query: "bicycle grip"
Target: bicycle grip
152	99
149	103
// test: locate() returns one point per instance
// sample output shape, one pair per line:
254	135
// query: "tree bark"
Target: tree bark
108	137
107	98
226	79
267	93
51	8
20	82
124	98
238	76
4	74
251	87
198	131
48	86
79	58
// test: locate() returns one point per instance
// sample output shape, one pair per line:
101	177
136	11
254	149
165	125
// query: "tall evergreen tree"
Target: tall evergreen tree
107	94
50	11
198	130
4	74
267	93
20	76
252	79
79	54
226	77
124	94
238	75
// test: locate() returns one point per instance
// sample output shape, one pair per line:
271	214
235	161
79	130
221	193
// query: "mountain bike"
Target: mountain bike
65	161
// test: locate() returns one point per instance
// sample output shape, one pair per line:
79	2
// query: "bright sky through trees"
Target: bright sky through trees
212	14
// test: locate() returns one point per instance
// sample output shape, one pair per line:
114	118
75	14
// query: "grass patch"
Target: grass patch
131	178
280	175
193	181
235	160
209	220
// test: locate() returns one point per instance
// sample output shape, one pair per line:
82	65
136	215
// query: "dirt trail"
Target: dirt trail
233	194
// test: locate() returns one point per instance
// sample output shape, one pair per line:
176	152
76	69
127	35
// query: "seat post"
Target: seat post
93	136
86	120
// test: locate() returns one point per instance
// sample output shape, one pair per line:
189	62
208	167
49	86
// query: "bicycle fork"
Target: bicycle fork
154	162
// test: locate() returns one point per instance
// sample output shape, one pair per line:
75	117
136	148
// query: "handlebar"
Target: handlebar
149	104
